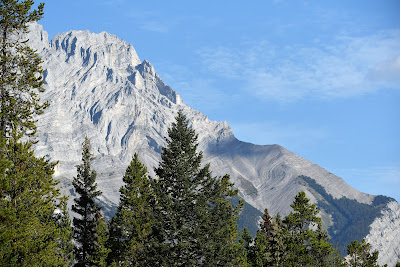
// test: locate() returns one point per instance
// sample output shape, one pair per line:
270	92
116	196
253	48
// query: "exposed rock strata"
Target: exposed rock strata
97	86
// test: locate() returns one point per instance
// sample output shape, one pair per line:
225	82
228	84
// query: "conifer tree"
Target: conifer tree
306	246
66	241
195	222
29	234
360	254
85	226
131	227
101	251
21	74
298	240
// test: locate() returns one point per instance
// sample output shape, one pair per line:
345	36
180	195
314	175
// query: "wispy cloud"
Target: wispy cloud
348	67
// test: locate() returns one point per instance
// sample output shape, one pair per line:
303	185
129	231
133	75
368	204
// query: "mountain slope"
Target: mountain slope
97	86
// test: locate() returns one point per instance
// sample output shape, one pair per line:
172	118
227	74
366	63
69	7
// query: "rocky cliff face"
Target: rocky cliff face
97	86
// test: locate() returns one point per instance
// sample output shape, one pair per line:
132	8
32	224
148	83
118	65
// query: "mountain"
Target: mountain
97	86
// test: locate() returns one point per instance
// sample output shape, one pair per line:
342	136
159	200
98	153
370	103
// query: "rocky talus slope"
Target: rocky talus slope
97	86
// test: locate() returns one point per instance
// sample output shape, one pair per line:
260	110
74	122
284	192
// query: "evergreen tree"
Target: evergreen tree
301	238
29	234
64	223
195	223
85	226
360	254
131	227
298	240
21	74
218	231
101	251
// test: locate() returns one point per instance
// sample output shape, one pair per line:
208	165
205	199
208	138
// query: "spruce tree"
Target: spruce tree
85	226
21	74
99	257
131	227
195	222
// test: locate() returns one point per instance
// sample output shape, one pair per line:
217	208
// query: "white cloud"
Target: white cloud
348	67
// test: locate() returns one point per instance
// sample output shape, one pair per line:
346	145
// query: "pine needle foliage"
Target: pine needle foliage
21	74
29	234
85	226
131	227
195	223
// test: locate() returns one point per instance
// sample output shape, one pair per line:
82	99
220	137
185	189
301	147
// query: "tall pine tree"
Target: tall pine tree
195	222
66	241
21	74
29	233
131	227
85	226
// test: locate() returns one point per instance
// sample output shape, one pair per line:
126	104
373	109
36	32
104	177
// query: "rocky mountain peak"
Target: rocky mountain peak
98	87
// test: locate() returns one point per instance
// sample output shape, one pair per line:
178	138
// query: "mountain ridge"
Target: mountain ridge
98	86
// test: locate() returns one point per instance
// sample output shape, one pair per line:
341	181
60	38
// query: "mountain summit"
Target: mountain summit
97	86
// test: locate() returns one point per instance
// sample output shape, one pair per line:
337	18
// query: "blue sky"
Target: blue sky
321	78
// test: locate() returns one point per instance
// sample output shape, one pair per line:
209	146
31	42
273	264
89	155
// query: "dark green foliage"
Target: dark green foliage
85	226
381	200
195	221
360	254
64	223
20	76
305	244
351	218
131	227
298	240
29	234
99	257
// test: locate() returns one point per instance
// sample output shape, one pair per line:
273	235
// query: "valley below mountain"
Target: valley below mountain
98	87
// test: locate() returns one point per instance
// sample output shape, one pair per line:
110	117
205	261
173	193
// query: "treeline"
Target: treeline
352	219
183	217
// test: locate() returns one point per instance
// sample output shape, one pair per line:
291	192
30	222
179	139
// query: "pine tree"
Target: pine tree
21	74
218	231
131	227
307	244
85	226
66	241
101	251
360	254
29	234
195	222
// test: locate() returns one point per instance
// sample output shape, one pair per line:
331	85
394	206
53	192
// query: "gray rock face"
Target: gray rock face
97	86
385	235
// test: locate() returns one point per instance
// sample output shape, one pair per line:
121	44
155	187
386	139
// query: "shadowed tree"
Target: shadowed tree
85	226
195	224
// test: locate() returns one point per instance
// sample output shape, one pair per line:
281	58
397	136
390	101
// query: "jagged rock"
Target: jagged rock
97	86
385	235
